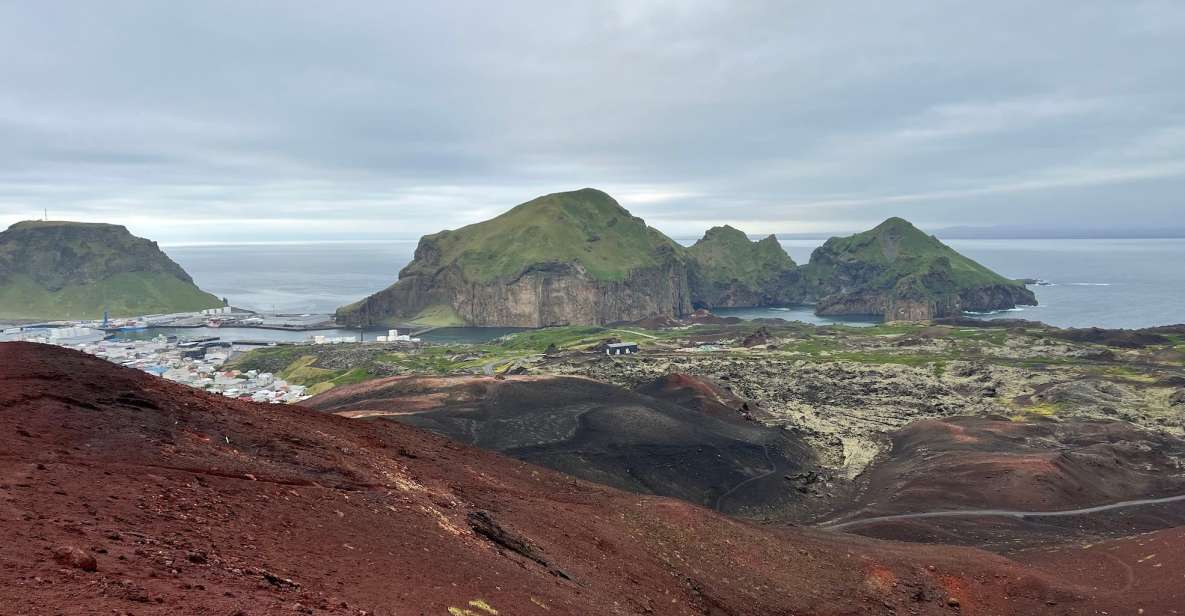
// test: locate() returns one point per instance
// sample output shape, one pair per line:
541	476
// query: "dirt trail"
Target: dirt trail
773	468
835	525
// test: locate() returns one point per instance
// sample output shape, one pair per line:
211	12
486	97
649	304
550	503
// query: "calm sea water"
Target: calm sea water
444	335
1104	283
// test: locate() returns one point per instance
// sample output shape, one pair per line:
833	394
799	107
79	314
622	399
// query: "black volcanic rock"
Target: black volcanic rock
688	439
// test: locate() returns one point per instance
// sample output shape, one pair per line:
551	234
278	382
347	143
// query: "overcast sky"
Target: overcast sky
200	121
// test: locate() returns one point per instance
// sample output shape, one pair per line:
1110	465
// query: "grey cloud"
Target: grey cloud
306	120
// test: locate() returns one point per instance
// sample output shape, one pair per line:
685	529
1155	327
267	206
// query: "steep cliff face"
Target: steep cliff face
896	271
580	258
566	258
728	270
59	270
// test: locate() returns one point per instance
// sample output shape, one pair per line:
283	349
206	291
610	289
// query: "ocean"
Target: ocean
1092	282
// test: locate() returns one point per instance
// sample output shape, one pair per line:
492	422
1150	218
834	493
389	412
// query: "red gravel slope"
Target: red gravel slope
193	504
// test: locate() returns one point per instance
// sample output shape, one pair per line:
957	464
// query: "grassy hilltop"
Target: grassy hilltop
896	249
72	270
730	270
899	272
584	226
580	258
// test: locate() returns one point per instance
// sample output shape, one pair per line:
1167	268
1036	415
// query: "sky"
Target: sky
263	121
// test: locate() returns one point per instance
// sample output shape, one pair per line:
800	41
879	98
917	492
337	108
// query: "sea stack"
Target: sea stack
74	270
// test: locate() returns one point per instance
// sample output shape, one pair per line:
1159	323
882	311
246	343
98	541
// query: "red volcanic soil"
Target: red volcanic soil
1124	575
982	463
195	504
976	462
698	393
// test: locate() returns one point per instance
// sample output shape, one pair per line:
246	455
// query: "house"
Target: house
621	348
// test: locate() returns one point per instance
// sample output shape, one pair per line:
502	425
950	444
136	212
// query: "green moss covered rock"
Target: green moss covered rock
897	271
71	270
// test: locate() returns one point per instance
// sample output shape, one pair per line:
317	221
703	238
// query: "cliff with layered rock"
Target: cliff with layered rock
729	271
899	272
72	270
579	258
566	258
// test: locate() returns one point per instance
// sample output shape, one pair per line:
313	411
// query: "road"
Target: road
1005	513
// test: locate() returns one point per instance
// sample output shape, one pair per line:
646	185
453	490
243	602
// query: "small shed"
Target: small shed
621	348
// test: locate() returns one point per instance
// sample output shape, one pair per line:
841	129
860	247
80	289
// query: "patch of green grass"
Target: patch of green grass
302	372
562	337
586	227
725	255
125	294
880	357
882	329
430	360
1128	374
899	251
300	368
439	315
814	345
995	337
1044	409
268	359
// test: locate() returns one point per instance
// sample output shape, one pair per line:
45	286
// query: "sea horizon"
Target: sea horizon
1114	283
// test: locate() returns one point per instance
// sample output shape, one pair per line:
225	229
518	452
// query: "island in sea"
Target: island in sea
75	270
580	258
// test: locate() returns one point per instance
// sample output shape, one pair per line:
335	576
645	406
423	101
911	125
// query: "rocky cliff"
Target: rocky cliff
896	271
566	258
60	270
729	270
580	258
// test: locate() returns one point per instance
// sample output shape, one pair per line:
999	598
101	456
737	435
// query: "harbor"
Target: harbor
196	348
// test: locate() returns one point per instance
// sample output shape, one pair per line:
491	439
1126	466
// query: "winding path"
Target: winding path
1006	513
773	468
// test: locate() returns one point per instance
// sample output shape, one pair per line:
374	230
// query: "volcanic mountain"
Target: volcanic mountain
565	258
73	270
685	439
121	492
896	271
580	258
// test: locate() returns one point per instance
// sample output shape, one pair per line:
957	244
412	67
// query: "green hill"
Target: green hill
580	258
584	226
897	270
730	270
565	258
895	248
71	270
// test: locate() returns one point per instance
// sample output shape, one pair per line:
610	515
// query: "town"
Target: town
196	361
